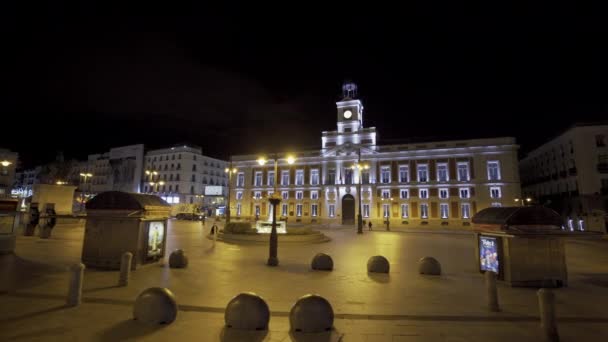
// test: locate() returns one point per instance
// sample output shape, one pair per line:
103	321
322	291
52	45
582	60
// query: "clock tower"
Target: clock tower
350	109
350	132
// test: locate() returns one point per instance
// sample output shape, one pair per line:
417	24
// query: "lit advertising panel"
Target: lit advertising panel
488	254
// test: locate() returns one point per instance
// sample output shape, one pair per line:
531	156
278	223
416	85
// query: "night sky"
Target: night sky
247	80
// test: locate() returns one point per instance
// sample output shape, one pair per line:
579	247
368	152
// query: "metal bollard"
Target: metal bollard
492	291
125	269
75	286
546	303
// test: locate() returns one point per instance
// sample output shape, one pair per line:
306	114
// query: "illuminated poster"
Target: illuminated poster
488	254
155	239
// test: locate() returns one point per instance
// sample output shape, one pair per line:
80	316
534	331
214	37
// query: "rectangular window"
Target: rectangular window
239	195
423	173
238	209
600	140
424	210
442	173
497	204
285	195
464	193
284	177
493	170
386	194
404	193
298	210
314	195
423	193
314	177
463	172
466	210
284	209
332	210
444	210
404	174
177	189
313	209
299	195
193	178
331	177
404	210
348	176
364	177
495	192
299	177
257	194
257	211
386	210
258	178
270	178
366	210
240	179
444	193
385	174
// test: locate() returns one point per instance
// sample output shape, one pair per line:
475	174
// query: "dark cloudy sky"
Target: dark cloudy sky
84	78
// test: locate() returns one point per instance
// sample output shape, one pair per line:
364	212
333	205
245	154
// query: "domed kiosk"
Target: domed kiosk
119	222
524	246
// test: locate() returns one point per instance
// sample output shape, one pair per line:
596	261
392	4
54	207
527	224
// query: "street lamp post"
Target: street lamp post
360	167
85	176
151	174
274	200
230	171
521	201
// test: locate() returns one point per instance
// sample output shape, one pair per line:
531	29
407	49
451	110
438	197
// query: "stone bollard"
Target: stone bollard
378	264
492	291
322	262
75	286
247	311
429	265
311	314
125	269
546	303
178	259
155	305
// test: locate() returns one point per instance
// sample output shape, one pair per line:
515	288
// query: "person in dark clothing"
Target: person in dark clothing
369	225
213	229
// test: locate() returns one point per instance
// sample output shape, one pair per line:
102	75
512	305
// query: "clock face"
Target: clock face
347	114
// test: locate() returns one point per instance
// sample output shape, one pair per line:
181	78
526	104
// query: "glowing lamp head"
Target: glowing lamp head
5	163
291	160
262	161
528	199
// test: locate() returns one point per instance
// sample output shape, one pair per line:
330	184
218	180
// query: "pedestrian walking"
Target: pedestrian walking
213	229
369	225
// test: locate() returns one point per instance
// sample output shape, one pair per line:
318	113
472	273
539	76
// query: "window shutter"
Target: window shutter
414	209
455	210
434	210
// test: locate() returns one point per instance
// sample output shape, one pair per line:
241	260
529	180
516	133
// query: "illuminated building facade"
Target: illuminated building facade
434	183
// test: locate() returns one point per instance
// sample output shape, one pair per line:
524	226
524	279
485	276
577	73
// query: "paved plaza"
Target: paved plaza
402	306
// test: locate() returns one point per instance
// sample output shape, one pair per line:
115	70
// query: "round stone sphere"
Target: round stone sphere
311	314
429	265
247	311
155	305
178	259
322	262
378	264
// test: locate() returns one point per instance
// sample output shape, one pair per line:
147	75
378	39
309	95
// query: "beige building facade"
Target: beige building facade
432	183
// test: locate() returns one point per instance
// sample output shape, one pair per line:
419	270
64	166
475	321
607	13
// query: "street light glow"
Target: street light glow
5	163
528	199
291	160
262	161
